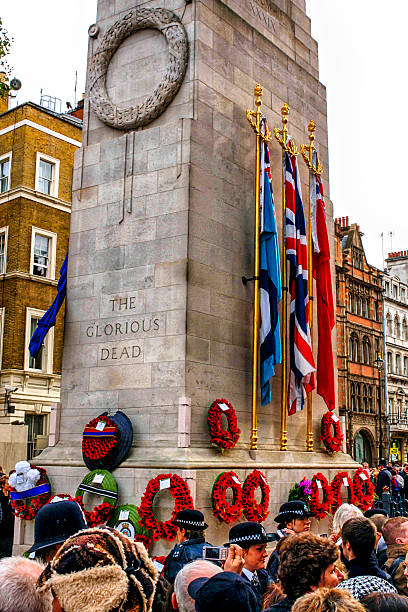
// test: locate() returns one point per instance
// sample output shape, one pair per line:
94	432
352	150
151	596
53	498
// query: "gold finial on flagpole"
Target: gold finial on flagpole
254	118
307	151
282	135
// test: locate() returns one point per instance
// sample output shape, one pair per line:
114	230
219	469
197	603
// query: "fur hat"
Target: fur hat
101	570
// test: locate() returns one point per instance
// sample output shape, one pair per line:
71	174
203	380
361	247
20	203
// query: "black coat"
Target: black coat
366	567
264	580
384	479
180	555
273	566
282	606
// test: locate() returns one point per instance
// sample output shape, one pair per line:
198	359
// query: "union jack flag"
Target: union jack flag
302	365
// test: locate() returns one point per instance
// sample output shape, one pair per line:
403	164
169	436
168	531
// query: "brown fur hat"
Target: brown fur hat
101	570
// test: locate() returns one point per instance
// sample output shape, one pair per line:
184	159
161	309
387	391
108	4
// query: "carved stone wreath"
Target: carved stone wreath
132	117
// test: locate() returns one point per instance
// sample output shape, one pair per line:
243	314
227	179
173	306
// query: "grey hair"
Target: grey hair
191	571
343	514
18	577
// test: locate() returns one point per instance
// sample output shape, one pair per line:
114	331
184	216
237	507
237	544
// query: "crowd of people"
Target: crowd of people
362	565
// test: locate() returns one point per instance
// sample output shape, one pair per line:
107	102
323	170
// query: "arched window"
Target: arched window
352	396
397	326
367	308
360	306
370	398
405	366
354	347
398	364
404	329
365	399
389	363
362	448
355	304
389	324
366	350
350	302
376	310
358	397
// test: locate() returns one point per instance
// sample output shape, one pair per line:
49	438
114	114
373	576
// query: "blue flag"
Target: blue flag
270	285
48	319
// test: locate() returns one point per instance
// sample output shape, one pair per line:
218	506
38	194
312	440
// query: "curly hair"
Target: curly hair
328	600
303	562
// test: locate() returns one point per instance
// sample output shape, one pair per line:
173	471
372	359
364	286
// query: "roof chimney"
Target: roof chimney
4	102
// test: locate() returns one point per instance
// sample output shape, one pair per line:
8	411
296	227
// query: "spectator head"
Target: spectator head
190	525
55	523
181	599
225	591
18	577
100	570
385	602
374	512
328	600
365	465
395	531
379	521
294	515
382	464
307	563
358	538
252	538
343	514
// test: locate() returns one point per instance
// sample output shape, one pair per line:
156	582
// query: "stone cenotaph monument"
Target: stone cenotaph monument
158	322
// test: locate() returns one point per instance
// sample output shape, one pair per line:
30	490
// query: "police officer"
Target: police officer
191	541
252	538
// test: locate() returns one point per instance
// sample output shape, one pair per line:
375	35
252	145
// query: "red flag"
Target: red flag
324	293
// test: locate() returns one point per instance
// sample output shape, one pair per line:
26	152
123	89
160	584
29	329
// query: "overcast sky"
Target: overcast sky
362	54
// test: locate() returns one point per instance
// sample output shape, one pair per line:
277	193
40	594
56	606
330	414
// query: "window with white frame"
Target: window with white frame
47	175
3	249
5	171
43	253
43	361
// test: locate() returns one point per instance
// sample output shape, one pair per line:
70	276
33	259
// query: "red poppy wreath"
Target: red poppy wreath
182	497
99	438
27	502
253	510
360	482
224	511
332	441
338	481
320	482
224	438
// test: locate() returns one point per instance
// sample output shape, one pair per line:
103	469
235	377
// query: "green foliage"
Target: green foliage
5	43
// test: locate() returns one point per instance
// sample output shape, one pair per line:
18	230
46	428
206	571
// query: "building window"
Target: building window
5	171
354	347
403	295
43	253
350	302
358	397
389	324
366	350
398	364
404	329
365	399
352	396
376	311
387	288
397	327
395	291
43	362
3	249
405	366
47	175
35	424
370	398
389	363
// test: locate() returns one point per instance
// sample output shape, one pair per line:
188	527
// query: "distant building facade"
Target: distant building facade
36	162
396	337
359	316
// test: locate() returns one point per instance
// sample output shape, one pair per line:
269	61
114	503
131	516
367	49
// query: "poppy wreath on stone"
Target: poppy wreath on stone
320	510
223	510
182	501
224	438
106	441
360	482
253	510
98	482
27	503
332	441
126	520
336	484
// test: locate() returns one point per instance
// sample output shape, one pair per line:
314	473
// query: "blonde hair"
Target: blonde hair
328	600
343	514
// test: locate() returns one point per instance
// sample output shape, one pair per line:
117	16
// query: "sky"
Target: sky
362	58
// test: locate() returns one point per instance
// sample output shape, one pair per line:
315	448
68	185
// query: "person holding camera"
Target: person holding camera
252	538
191	541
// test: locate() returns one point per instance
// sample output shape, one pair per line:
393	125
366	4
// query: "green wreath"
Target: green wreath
126	520
107	488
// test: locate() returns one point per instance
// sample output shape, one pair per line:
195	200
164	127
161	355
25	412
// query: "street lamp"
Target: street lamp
8	390
379	363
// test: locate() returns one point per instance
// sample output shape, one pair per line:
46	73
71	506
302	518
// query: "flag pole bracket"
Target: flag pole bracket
246	280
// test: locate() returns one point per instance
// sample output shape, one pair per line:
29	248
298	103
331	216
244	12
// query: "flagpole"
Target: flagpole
281	136
307	154
254	119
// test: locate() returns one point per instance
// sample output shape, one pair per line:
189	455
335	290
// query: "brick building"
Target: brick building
359	309
396	339
36	162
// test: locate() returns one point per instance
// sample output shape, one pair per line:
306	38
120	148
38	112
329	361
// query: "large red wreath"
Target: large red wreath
183	500
252	510
320	510
336	485
229	513
28	507
364	499
224	438
98	443
332	441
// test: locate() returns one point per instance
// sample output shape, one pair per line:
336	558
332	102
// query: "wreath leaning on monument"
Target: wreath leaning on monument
99	438
98	482
126	519
182	497
224	438
361	481
223	510
253	510
332	441
320	483
338	481
26	503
